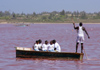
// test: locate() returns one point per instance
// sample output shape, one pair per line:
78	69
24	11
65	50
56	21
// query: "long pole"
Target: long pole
85	54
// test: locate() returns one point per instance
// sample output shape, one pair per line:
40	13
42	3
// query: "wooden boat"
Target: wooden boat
29	53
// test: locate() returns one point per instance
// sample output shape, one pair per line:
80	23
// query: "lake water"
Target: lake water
12	36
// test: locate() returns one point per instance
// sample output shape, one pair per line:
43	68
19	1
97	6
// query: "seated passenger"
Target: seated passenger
45	46
40	45
51	47
36	46
57	47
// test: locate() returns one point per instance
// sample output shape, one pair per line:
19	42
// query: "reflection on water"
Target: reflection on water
12	36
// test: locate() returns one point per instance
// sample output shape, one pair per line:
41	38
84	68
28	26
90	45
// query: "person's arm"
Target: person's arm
75	26
86	32
33	47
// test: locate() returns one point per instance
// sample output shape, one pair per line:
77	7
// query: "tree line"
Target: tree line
62	16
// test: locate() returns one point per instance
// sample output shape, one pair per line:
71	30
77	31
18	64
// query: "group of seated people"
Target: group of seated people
53	46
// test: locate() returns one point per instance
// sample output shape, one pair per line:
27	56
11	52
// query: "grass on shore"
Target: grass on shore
65	21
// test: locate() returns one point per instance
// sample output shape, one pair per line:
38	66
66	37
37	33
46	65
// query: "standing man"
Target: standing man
80	35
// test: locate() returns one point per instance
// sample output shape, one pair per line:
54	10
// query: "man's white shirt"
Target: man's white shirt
36	46
45	47
51	47
57	46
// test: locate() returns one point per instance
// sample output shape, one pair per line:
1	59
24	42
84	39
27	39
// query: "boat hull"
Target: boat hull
41	54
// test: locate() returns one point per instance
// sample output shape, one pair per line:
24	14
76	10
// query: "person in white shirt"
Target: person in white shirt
40	44
36	46
57	47
45	46
80	35
51	47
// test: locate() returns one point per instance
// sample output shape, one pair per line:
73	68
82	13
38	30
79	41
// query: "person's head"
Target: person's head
80	24
54	41
46	42
37	42
51	42
40	41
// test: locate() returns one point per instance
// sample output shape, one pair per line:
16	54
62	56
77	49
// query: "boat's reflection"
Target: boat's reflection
52	59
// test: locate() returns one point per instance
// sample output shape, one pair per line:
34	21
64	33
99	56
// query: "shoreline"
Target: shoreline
40	23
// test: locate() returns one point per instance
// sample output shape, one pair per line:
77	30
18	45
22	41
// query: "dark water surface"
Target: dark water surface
12	36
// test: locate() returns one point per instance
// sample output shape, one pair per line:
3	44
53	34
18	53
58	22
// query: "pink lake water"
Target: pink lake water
12	36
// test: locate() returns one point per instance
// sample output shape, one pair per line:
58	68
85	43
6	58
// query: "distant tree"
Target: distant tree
22	14
77	14
72	15
7	13
44	18
68	12
1	13
62	12
50	17
45	13
34	14
55	12
14	15
83	15
98	13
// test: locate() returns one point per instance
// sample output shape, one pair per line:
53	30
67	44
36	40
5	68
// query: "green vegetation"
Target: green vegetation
50	17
